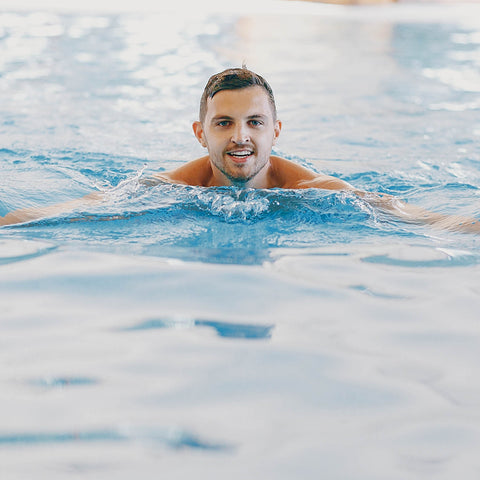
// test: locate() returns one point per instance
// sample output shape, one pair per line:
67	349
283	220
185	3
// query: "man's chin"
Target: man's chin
240	170
237	177
238	173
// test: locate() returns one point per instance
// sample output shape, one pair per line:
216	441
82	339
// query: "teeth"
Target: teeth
242	153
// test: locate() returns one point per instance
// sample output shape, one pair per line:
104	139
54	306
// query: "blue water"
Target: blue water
223	225
199	332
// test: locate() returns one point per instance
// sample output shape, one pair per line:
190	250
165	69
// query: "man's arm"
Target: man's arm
414	214
392	205
28	214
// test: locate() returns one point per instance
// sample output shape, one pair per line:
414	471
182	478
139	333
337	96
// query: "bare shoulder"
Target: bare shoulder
291	175
196	172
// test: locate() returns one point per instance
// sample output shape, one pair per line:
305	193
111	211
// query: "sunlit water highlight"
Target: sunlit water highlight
191	332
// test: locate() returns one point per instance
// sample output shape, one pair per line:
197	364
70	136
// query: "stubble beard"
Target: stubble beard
242	178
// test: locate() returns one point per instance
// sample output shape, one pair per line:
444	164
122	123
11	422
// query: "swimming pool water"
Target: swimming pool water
190	332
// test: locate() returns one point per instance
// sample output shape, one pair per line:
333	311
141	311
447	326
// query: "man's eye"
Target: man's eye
223	123
255	123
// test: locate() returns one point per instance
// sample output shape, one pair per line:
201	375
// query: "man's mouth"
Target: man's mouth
240	156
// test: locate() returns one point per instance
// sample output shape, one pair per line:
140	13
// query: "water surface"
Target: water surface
271	334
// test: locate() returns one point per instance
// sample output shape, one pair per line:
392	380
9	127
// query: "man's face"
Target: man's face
239	131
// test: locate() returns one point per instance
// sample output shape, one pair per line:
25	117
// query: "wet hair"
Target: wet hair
234	79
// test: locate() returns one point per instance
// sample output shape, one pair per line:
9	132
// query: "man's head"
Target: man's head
234	79
238	126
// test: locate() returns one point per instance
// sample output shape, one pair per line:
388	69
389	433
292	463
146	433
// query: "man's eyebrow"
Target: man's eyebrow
228	117
221	117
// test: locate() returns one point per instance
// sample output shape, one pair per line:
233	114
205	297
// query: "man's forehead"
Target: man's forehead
253	98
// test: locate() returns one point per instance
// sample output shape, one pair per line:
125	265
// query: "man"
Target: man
238	126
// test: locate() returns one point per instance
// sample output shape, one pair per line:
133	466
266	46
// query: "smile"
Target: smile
240	156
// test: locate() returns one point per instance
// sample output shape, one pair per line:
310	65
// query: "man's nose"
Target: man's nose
240	134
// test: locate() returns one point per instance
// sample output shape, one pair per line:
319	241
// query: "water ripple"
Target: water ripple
62	382
12	251
175	438
223	329
425	257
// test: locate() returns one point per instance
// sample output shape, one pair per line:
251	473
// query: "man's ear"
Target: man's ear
276	131
198	131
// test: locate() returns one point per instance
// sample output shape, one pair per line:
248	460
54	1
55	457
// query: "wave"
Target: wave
233	205
220	224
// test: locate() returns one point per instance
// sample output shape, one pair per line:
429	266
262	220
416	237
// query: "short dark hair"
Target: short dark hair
234	79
